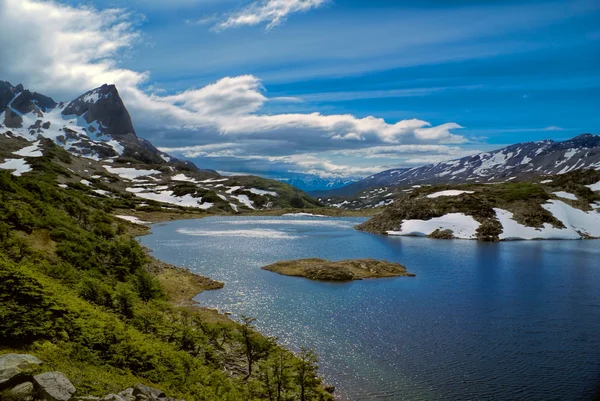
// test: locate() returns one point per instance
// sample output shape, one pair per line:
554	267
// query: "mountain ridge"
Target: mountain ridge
513	162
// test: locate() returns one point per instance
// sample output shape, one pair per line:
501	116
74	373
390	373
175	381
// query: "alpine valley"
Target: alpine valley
530	190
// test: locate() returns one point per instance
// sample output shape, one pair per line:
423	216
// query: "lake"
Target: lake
480	321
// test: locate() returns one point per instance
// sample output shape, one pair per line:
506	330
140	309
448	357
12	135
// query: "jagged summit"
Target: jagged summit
104	105
96	124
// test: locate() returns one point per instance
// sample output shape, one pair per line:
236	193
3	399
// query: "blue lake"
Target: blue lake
510	320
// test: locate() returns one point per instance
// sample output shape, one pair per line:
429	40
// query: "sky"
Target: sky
331	88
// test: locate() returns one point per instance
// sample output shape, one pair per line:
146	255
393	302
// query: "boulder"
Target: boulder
53	386
21	392
147	392
15	368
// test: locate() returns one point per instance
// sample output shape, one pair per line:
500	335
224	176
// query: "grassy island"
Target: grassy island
345	270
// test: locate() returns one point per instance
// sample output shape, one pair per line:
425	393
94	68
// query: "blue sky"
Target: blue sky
504	71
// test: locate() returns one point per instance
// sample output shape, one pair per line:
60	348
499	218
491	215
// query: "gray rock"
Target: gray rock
150	392
21	392
127	394
14	368
54	386
114	397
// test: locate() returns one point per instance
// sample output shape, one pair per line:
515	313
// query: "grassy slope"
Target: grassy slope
523	199
79	292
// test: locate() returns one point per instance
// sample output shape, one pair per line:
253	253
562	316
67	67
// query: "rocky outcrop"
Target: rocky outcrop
53	386
345	270
105	106
18	383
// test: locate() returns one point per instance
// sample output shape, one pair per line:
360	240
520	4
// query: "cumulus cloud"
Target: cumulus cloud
63	51
273	12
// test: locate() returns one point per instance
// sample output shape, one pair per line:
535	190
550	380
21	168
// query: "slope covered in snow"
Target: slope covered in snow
516	162
563	208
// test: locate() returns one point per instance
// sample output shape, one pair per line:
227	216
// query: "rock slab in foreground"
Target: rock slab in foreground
345	270
54	386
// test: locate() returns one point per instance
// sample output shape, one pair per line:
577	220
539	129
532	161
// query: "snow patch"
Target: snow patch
132	219
261	192
182	177
462	226
450	192
565	195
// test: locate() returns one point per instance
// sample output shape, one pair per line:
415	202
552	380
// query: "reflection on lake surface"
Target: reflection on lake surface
512	320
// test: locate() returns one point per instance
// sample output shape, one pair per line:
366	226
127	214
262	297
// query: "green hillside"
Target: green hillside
77	291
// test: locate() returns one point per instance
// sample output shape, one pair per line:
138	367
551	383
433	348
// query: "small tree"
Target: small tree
306	373
147	286
124	300
254	346
275	375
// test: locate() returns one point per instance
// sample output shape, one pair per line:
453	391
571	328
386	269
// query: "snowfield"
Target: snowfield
130	173
462	226
132	219
450	192
586	223
168	197
514	231
578	224
30	151
19	165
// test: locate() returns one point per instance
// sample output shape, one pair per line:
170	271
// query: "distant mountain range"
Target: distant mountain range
308	183
515	162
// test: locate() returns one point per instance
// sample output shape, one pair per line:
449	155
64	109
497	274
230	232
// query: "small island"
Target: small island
345	270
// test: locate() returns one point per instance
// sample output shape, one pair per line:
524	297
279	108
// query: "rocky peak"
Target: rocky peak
105	106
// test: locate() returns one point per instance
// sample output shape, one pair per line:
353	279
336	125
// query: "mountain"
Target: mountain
95	125
515	162
104	154
310	183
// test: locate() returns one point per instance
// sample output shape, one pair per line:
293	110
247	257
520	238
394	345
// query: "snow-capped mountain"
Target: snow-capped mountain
96	125
105	158
310	183
515	162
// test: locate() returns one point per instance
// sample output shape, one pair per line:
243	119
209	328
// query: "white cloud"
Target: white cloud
553	128
273	12
63	51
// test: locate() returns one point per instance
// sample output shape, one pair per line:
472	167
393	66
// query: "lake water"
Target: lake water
511	320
